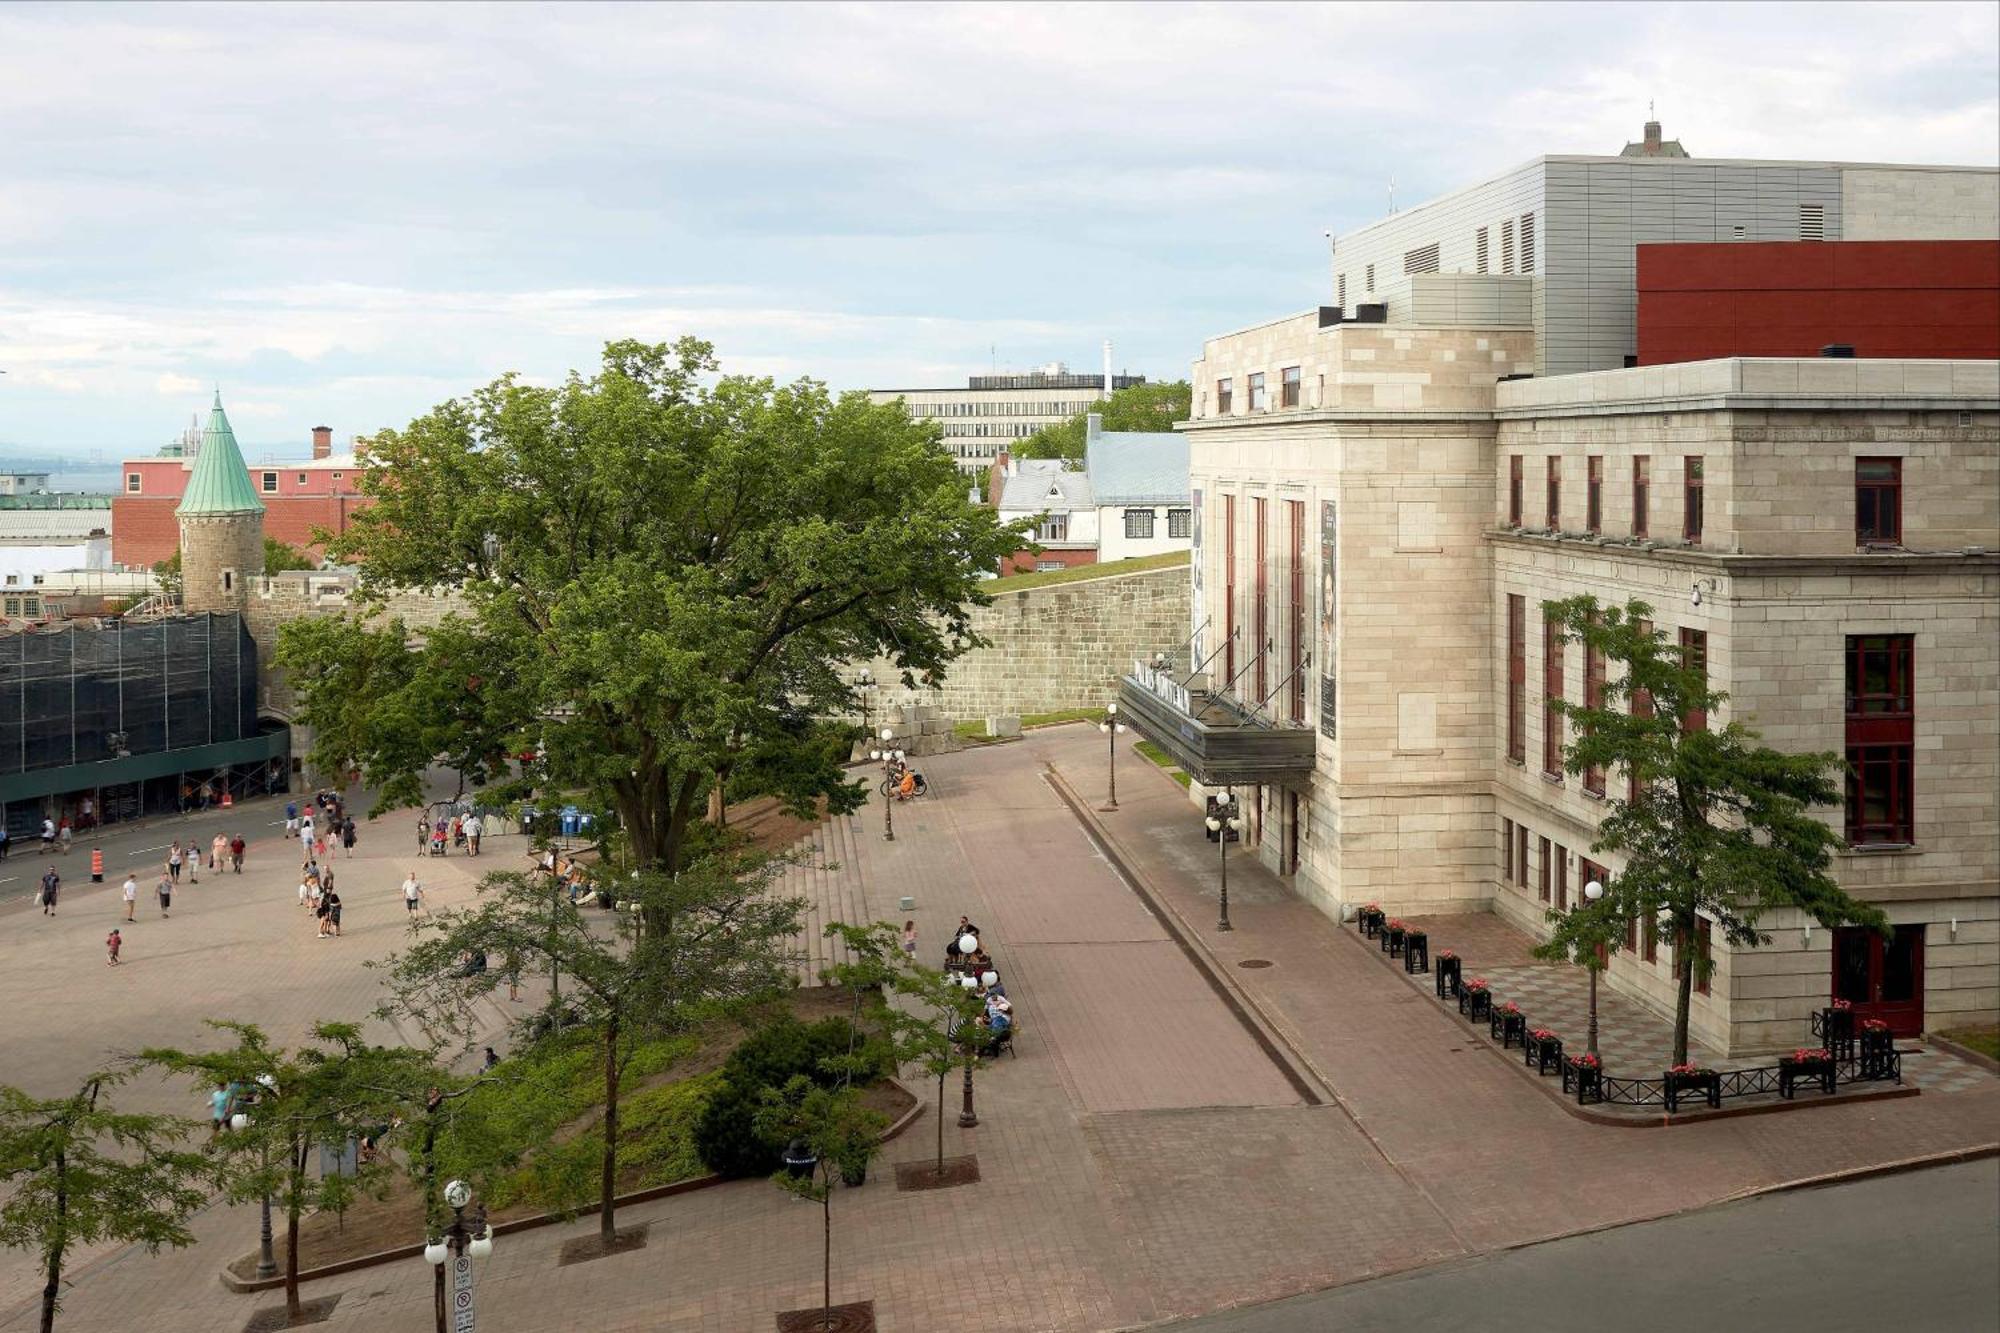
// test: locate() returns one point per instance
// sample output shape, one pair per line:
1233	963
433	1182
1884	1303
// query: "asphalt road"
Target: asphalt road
1915	1252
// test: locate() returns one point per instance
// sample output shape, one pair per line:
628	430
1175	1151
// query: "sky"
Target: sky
345	214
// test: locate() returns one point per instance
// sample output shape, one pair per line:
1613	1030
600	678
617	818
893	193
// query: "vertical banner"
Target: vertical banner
1329	606
1195	613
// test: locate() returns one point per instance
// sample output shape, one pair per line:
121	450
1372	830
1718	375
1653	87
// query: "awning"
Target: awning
1211	736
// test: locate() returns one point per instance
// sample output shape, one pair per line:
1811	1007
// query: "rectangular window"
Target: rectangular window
1593	697
1507	850
1694	657
302	478
1138	523
1479	250
1517	678
1507	245
1552	690
1514	490
1593	494
1423	259
1555	494
1527	242
1229	592
132	482
1640	704
1222	396
1642	496
1288	387
1521	855
1562	877
270	482
1542	872
1261	554
1881	740
1055	528
1260	401
1180	523
1878	501
1649	941
1691	501
1295	514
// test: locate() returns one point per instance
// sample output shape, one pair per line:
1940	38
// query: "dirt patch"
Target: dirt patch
272	1318
769	826
926	1175
396	1218
858	1317
585	1248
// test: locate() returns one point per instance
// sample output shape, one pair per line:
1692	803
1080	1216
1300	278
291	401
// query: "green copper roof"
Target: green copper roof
220	484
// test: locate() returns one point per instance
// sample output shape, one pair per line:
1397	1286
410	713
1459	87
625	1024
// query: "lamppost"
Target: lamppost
864	685
1223	823
890	758
465	1239
1592	892
967	1117
267	1260
1112	729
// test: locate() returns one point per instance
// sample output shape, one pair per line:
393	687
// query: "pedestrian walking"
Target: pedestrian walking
413	895
236	846
216	851
347	835
164	891
3	837
48	835
473	830
291	818
513	961
112	943
51	886
306	828
63	832
131	892
909	939
174	858
320	914
218	1110
423	833
333	911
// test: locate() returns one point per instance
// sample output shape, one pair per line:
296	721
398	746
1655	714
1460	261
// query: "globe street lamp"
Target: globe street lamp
1112	729
889	758
465	1239
1223	823
1592	892
267	1260
968	1032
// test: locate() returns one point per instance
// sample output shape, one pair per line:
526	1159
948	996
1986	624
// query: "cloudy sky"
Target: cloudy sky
345	213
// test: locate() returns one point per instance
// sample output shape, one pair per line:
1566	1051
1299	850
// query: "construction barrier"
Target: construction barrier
227	799
96	865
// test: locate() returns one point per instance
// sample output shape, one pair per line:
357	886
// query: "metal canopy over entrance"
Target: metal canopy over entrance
1212	736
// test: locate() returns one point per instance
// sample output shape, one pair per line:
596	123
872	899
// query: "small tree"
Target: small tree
1141	407
841	1133
1717	826
873	954
930	1025
680	949
279	557
167	573
331	1092
67	1190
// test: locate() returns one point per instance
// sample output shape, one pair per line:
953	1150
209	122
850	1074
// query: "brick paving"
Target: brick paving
1141	1158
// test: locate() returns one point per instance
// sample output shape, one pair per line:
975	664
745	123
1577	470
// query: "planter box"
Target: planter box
1587	1081
1542	1054
1392	941
1475	1004
1835	1030
1878	1056
1448	975
1371	923
1508	1028
1707	1085
1416	951
1792	1072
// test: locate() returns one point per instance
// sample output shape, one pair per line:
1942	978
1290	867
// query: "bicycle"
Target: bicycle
888	788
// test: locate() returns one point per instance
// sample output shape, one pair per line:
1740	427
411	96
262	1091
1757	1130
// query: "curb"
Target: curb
1965	1053
250	1286
1901	1166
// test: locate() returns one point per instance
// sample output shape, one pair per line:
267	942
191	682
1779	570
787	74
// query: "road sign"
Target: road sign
461	1298
461	1275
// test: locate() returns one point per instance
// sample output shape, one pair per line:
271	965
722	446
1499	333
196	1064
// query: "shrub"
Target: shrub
726	1136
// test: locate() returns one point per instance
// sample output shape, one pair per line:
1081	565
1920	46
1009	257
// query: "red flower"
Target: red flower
1446	955
1874	1025
1805	1053
1510	1008
1841	1004
1396	923
1586	1061
1477	983
1543	1034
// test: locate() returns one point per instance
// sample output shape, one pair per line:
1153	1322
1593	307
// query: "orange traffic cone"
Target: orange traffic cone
227	800
96	865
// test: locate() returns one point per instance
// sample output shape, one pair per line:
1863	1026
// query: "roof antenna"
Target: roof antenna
1392	194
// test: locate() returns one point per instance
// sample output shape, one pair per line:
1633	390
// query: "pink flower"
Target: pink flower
1446	956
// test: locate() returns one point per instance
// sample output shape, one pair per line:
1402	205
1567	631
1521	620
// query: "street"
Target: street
1918	1252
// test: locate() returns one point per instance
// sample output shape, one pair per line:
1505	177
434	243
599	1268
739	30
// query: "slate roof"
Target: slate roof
1138	467
1034	489
220	483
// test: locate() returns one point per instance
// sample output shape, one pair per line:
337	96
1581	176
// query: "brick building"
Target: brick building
322	491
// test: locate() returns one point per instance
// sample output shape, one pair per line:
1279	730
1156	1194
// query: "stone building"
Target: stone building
221	523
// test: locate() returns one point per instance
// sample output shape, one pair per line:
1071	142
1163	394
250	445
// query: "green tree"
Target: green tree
666	570
1149	407
1722	827
79	1172
842	1135
680	949
333	1091
279	557
167	573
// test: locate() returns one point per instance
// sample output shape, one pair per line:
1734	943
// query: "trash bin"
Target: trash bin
569	821
800	1160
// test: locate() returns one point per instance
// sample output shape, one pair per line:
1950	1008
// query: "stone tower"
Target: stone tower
222	523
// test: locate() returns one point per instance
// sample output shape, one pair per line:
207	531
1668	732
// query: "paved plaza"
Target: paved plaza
1170	1139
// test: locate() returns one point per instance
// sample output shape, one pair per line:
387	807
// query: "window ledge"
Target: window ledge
1591	795
1418	754
1553	779
1882	849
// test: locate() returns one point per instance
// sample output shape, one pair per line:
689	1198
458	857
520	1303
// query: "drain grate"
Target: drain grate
1255	962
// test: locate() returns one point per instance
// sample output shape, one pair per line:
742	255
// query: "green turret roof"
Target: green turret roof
220	484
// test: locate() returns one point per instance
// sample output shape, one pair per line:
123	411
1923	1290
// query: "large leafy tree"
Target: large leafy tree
679	949
78	1171
661	573
1153	407
1717	827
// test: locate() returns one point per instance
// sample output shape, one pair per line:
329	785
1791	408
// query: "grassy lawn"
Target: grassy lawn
975	729
1164	760
1985	1038
1111	569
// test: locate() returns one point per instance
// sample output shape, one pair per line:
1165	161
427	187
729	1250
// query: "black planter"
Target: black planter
1878	1056
1475	1004
1707	1085
800	1160
1543	1054
1448	973
1371	923
1587	1080
1416	951
1392	940
1836	1032
1509	1028
1792	1072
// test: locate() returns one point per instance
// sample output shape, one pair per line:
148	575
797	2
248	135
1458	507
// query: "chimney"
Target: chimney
322	441
996	477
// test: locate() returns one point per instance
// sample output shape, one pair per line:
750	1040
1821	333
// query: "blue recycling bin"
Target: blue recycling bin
570	820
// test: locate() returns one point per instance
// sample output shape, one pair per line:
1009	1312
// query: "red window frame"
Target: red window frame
1521	855
1555	494
1878	501
1881	740
1642	496
1507	850
1517	678
1289	387
1694	657
1224	395
1593	494
1692	482
1593	697
1649	943
1514	490
1552	690
1562	877
1261	604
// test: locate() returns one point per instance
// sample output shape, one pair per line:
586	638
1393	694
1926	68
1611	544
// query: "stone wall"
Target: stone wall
275	600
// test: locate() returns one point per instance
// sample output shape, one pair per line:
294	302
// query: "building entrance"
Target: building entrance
1881	978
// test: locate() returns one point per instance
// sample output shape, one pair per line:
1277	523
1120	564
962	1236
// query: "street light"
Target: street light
1112	729
889	758
1222	823
466	1237
267	1260
967	1117
1592	892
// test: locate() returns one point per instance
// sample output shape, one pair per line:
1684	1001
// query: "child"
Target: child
111	946
909	939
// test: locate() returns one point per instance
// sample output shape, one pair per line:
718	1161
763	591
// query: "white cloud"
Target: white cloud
177	385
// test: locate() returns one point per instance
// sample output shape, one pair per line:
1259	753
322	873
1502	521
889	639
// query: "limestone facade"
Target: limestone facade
1413	552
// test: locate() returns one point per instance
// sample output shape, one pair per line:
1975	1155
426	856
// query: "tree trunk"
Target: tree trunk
607	1225
292	1205
58	1242
1684	992
940	1118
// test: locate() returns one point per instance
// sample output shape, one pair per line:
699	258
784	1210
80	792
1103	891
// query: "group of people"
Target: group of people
441	834
316	895
569	872
322	826
995	1027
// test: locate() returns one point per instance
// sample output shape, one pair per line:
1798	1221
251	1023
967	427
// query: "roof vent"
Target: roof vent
1329	315
1371	312
1838	350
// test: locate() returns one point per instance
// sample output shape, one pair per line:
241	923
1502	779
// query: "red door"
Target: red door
1882	978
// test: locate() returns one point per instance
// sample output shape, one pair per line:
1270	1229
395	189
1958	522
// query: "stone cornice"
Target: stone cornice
1745	563
1753	402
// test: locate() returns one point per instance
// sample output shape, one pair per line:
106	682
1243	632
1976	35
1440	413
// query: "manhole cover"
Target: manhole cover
856	1318
1255	962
